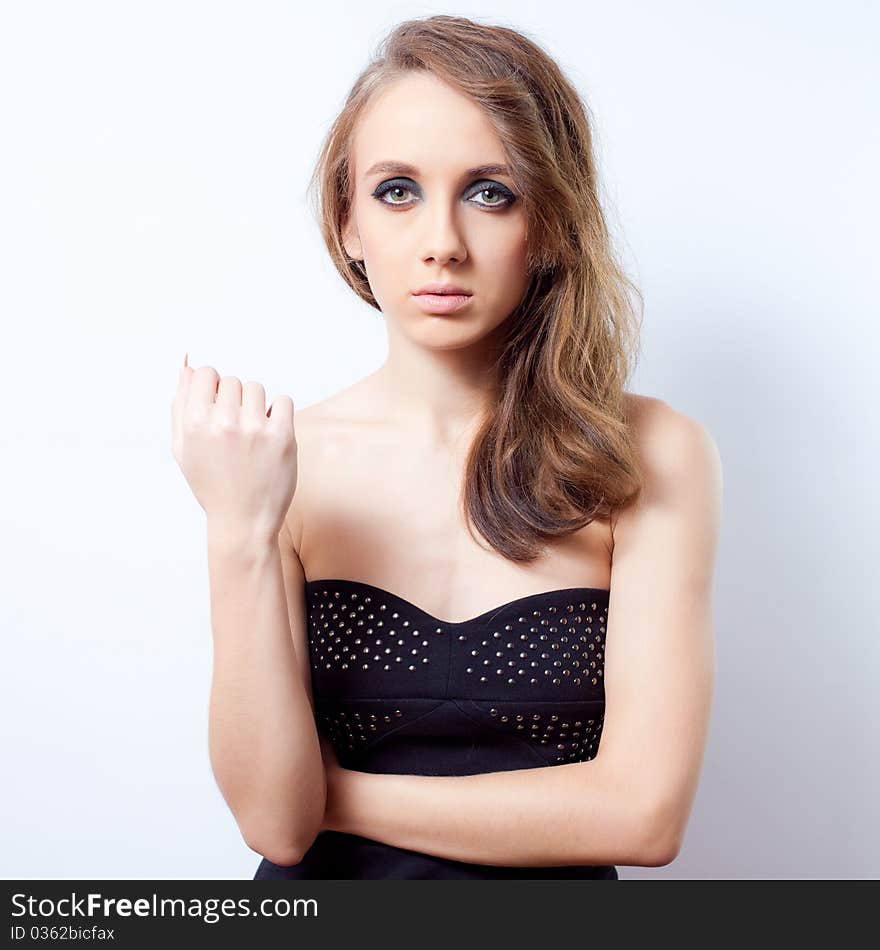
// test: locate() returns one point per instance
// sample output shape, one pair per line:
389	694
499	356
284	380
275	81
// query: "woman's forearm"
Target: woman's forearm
263	741
569	814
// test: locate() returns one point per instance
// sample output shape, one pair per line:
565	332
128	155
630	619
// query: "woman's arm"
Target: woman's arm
630	804
554	815
262	735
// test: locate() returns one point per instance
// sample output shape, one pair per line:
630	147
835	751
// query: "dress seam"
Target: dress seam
514	738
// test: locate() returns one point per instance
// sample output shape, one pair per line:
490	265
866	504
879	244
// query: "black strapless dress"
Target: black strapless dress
399	691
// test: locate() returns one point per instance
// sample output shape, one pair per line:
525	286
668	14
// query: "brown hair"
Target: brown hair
556	449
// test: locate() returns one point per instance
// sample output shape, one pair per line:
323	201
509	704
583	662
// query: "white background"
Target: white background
153	164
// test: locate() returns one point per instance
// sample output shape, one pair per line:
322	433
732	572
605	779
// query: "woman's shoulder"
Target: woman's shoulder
335	414
676	449
327	445
655	423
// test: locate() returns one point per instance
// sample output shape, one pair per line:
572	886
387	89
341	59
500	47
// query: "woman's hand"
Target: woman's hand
239	460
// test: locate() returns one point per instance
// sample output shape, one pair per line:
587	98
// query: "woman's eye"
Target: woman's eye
391	189
507	197
498	195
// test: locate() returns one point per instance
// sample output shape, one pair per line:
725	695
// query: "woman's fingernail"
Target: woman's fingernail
185	355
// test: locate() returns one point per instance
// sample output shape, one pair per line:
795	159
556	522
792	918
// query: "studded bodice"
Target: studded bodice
398	691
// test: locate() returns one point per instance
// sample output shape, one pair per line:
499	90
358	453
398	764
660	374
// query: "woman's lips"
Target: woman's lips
442	303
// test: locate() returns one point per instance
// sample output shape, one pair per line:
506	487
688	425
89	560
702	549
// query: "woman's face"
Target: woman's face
435	221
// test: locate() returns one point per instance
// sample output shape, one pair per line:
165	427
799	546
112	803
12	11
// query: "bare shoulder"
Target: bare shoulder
307	419
323	430
669	442
332	414
679	457
652	416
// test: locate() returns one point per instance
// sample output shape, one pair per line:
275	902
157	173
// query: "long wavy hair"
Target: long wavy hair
555	450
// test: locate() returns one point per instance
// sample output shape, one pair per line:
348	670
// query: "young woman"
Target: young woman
461	609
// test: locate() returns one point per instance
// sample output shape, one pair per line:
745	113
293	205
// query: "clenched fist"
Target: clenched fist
239	460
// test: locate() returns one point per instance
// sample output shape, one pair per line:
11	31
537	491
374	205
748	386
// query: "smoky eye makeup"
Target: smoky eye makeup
499	196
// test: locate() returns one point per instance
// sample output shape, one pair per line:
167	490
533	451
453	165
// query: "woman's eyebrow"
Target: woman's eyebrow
403	168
